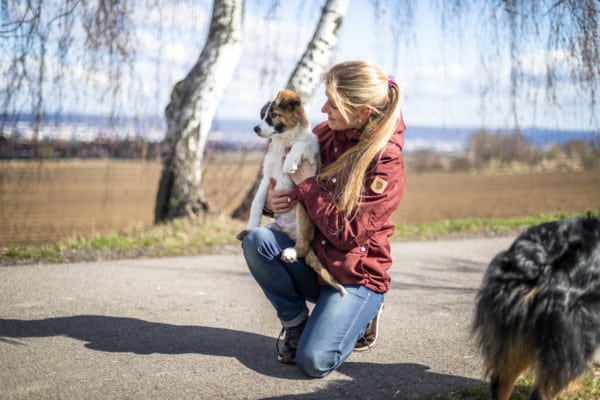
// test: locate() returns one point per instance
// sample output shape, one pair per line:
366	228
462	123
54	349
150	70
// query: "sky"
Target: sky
440	71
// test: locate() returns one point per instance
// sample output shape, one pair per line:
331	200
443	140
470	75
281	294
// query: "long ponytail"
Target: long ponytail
350	86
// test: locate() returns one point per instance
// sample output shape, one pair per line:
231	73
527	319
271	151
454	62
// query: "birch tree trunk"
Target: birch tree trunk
189	115
308	71
316	58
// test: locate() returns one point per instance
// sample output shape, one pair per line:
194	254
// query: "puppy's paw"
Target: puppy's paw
290	165
240	236
289	255
290	168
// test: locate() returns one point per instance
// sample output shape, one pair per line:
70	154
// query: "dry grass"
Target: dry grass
59	200
433	197
50	201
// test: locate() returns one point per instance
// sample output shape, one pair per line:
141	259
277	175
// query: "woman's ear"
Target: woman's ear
365	112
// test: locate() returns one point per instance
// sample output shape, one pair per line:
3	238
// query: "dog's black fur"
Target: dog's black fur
539	307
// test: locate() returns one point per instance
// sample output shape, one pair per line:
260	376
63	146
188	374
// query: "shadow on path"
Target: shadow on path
385	381
132	335
256	352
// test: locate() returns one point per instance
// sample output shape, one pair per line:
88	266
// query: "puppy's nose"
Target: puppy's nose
257	129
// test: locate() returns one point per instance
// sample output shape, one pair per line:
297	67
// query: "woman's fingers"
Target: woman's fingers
283	200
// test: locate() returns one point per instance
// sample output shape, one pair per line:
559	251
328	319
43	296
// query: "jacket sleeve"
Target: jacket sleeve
384	188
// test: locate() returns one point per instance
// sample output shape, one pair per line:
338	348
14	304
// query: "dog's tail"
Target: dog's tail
500	324
313	261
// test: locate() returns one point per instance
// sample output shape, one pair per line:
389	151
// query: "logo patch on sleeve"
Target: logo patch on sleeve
378	185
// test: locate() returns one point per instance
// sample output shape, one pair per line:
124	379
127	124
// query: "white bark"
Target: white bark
189	115
317	56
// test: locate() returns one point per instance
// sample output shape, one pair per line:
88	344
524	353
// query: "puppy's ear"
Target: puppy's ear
264	109
289	104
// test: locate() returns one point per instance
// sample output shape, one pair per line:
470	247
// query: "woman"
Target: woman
351	201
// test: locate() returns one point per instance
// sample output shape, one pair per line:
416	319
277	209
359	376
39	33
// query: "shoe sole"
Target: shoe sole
377	318
286	361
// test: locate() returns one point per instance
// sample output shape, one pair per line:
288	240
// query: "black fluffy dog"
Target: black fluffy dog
539	307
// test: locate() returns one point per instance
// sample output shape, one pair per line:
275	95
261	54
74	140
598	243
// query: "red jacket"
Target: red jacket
357	251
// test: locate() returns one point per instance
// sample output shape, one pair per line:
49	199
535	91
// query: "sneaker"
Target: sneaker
371	333
286	347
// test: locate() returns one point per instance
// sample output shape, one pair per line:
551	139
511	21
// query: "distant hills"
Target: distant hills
231	134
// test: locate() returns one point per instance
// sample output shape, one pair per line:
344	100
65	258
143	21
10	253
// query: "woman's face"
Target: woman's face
335	119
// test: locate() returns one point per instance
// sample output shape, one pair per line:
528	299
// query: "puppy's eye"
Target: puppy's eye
274	114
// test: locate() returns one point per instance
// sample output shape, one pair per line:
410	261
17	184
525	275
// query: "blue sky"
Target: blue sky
440	71
443	77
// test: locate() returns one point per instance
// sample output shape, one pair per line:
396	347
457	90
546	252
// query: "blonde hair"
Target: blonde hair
351	86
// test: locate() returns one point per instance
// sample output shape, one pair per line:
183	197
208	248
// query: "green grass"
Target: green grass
475	226
206	235
588	389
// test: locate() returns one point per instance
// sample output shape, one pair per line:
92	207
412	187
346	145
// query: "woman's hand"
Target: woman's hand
280	201
305	170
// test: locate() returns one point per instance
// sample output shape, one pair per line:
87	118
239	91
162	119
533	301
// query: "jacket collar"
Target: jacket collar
352	135
349	135
398	136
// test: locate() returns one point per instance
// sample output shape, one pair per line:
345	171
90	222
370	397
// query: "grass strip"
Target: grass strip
469	227
203	235
210	234
587	389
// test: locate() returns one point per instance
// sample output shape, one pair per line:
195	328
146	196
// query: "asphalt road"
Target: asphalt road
200	328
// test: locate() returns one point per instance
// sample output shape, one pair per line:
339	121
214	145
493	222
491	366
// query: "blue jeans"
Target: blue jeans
336	322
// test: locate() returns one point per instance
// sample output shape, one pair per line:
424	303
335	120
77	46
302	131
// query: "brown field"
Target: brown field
53	201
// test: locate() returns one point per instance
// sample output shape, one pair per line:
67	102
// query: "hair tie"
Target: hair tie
391	80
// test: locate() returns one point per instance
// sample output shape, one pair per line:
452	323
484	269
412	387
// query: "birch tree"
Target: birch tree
189	115
307	73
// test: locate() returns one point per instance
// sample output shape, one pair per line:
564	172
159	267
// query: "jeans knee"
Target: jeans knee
253	238
254	243
315	364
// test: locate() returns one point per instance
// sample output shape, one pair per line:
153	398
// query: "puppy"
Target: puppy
284	122
539	308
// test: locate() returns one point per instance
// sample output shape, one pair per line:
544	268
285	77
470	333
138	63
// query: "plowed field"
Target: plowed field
52	201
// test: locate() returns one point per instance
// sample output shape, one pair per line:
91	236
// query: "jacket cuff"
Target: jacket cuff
305	187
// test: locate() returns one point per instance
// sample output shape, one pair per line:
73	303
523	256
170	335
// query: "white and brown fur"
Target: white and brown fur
284	122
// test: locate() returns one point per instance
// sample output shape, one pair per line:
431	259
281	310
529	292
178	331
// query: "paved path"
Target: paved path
199	328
